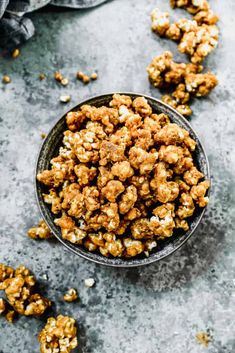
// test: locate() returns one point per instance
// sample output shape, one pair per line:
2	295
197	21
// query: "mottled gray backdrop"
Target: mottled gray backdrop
157	309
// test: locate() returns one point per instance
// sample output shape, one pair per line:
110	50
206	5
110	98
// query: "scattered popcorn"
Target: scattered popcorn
187	79
89	282
41	231
65	99
64	82
59	335
71	295
19	287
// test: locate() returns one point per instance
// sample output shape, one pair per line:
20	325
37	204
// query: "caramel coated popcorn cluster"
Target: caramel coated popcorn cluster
41	231
197	38
58	335
19	287
124	178
200	9
186	78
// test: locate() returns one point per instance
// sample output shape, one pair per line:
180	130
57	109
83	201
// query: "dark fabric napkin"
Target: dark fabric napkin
16	28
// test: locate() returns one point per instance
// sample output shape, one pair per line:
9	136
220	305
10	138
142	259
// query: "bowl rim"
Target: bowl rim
149	260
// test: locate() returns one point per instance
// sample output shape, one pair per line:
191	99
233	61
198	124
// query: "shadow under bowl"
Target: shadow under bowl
50	148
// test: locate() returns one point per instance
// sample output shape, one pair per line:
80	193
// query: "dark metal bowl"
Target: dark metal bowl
49	150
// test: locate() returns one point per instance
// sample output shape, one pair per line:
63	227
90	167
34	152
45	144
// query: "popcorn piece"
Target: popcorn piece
54	200
71	295
119	100
53	177
142	160
200	85
74	120
141	106
122	170
5	273
160	21
186	209
112	190
133	247
58	335
89	282
128	199
41	231
198	193
162	222
192	176
85	175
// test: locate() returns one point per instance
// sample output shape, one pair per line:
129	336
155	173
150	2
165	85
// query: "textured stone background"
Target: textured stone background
148	310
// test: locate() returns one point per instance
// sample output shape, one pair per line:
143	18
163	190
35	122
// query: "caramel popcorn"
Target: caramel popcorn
187	79
199	8
19	287
58	335
41	231
71	295
125	176
196	39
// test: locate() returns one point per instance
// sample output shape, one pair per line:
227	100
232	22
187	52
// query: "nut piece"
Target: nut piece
58	76
94	76
58	335
89	282
41	231
71	295
6	79
15	53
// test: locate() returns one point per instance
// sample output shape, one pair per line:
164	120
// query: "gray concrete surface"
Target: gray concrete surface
157	309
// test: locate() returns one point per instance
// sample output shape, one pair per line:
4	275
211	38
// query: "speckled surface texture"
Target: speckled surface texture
154	309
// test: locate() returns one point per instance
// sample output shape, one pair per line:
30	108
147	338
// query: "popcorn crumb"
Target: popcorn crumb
71	295
65	99
64	82
89	282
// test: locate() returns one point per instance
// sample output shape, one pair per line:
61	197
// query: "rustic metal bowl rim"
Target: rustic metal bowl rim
100	259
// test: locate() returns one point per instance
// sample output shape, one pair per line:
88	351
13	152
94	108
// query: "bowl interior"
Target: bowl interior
50	149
